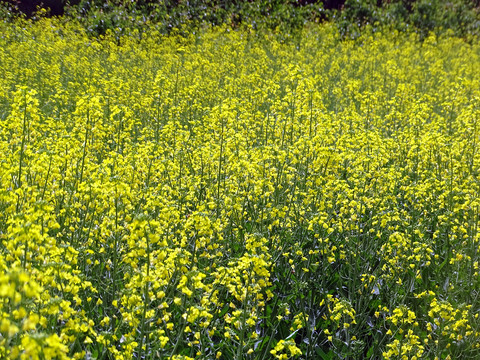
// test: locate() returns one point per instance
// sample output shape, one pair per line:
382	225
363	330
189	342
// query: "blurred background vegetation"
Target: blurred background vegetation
121	16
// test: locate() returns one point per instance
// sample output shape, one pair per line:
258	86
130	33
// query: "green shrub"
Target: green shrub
286	16
424	16
8	11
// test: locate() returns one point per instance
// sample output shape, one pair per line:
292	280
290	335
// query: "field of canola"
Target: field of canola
232	195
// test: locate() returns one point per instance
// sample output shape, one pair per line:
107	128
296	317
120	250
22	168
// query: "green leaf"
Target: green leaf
224	310
370	352
323	355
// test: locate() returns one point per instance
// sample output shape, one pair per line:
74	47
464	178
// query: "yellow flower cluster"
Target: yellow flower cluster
409	347
285	350
342	310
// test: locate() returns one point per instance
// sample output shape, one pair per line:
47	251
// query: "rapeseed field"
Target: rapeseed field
238	195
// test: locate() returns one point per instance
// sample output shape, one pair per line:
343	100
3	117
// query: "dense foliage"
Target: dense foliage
230	195
121	16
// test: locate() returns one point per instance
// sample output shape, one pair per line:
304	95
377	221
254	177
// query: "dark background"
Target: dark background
57	7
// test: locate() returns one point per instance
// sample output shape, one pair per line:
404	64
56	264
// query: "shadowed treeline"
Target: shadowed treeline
57	7
285	16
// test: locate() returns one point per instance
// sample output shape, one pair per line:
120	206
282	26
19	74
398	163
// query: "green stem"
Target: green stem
22	148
